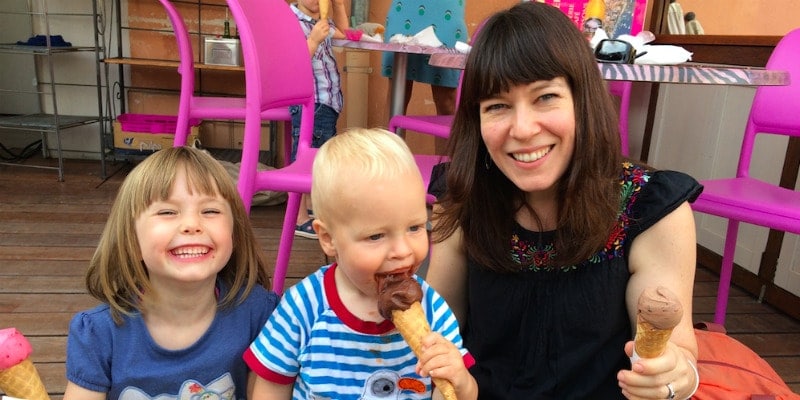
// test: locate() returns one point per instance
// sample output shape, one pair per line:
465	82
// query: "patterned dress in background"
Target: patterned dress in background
408	17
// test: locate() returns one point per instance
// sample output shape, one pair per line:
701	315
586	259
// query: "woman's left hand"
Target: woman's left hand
669	376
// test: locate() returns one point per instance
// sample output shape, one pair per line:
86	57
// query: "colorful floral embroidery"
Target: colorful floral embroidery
533	256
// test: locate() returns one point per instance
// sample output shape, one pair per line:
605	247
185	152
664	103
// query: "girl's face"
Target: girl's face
529	132
187	238
379	228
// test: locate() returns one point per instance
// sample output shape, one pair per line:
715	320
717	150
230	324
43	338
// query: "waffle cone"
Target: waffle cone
650	341
324	8
413	326
23	381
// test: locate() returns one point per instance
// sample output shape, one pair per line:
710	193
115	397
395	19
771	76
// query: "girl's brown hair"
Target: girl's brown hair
117	276
526	43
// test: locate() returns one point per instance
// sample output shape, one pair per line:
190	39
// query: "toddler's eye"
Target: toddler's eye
416	228
376	237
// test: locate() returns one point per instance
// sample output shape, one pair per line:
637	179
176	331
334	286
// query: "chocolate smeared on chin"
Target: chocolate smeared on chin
397	292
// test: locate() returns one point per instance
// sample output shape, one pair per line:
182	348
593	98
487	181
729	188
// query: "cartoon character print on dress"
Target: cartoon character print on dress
385	384
222	388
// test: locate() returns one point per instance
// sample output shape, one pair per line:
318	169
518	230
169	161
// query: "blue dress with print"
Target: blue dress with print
408	17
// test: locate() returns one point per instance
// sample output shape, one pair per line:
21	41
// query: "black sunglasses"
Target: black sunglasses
616	51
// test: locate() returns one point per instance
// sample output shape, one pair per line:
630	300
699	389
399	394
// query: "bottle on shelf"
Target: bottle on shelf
226	30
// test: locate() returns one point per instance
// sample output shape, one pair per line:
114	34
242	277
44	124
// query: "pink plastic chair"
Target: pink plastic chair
436	125
191	107
278	74
744	198
622	89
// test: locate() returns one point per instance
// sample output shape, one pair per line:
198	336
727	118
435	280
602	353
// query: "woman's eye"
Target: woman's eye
493	106
548	96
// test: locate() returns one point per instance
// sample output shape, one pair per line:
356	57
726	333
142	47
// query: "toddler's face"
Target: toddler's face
379	227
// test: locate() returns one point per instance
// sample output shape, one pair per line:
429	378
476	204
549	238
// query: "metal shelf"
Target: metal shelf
54	122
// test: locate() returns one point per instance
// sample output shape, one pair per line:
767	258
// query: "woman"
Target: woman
545	237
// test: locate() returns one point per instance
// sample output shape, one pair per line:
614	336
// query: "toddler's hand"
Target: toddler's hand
442	359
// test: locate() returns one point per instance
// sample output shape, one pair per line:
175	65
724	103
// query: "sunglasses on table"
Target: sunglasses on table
616	51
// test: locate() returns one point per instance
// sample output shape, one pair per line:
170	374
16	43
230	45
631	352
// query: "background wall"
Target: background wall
753	17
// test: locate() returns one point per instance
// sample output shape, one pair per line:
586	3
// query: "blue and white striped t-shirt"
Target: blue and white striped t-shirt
313	341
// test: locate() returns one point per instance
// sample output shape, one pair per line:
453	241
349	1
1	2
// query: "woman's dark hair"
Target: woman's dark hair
526	43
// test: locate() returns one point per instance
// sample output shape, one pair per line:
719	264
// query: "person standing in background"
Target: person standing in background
675	19
328	102
408	17
693	26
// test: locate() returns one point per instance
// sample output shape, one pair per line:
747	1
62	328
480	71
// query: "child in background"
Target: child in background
327	82
327	339
181	278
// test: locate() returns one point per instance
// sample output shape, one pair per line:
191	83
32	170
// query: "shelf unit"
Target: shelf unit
46	61
143	73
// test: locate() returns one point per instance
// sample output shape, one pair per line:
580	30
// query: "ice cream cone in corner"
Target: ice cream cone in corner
659	312
399	301
18	375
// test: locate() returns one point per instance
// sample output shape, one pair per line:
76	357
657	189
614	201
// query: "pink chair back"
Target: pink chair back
622	90
185	69
775	108
751	200
278	74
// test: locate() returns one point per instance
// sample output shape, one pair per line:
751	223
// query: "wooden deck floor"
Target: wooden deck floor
48	231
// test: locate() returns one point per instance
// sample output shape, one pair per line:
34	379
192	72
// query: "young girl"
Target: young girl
326	339
182	280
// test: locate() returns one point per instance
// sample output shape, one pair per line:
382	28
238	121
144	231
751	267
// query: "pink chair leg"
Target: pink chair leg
285	244
726	270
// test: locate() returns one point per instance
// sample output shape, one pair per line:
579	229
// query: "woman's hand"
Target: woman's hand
652	378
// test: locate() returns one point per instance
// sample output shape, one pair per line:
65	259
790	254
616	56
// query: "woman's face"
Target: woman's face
530	133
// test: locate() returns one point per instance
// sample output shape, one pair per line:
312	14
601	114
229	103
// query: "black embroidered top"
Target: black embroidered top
558	332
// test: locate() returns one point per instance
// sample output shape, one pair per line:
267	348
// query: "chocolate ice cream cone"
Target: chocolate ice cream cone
659	312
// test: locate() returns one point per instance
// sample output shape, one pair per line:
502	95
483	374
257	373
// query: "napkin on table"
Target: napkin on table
425	37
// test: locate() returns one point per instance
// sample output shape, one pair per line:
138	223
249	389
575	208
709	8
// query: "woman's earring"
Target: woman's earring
487	161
